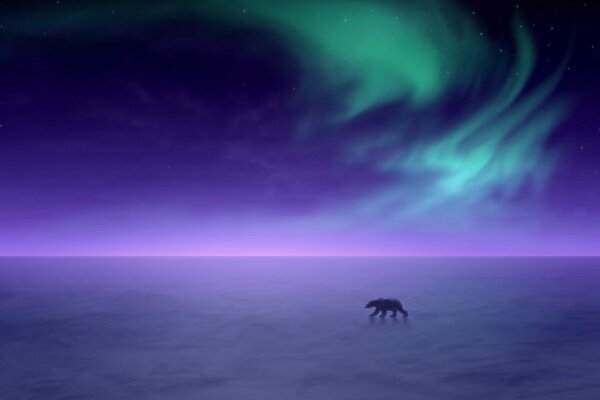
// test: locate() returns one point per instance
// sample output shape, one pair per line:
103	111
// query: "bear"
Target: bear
385	305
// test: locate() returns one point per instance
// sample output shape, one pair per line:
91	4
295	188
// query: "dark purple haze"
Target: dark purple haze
188	134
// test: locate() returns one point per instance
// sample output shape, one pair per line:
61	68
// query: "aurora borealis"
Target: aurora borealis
346	127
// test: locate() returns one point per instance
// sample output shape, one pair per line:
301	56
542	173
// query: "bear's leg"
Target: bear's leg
403	311
394	313
374	313
383	313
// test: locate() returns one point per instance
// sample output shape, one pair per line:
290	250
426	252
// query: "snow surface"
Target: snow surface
296	328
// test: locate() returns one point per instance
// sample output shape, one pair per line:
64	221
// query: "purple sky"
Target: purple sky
187	135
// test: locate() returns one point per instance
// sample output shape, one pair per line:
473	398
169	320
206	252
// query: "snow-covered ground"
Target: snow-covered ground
296	328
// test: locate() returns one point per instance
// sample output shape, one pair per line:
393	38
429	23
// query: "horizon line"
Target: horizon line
300	256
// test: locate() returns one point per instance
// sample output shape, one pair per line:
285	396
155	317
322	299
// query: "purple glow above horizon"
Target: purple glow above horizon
193	130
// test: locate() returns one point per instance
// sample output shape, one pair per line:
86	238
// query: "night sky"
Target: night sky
304	127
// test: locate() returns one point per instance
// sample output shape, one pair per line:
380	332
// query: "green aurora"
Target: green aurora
411	55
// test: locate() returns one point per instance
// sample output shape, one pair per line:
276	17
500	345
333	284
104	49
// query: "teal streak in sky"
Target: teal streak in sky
482	162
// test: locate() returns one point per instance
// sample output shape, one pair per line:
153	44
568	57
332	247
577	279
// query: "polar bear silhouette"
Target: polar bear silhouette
385	305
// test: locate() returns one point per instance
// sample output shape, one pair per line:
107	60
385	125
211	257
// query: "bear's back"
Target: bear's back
390	303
